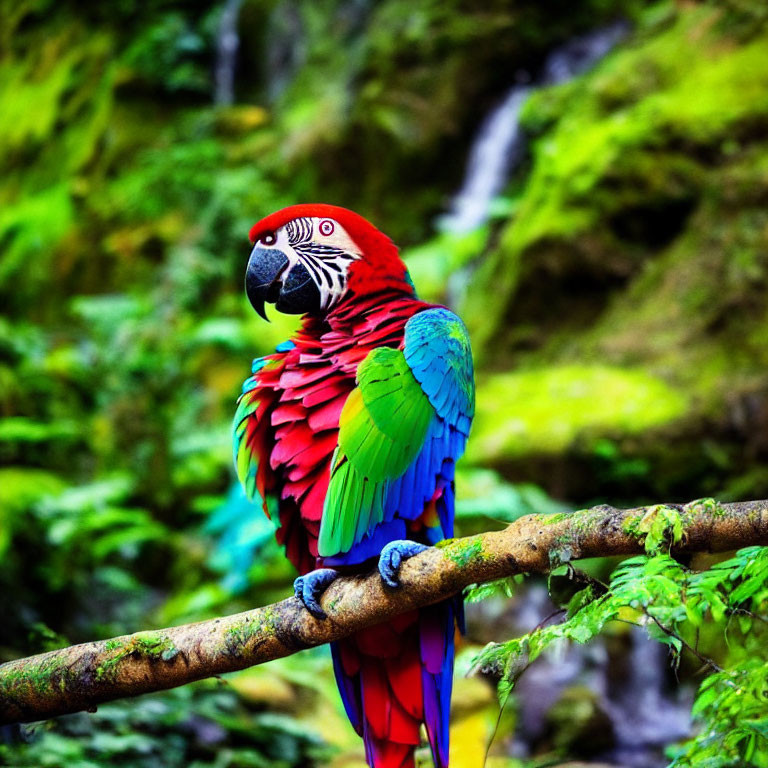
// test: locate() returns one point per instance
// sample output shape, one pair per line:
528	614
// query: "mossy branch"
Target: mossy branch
82	676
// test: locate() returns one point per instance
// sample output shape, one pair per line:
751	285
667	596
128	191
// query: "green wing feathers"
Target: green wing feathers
382	428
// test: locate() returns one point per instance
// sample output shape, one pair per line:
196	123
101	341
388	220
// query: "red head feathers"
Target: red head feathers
380	269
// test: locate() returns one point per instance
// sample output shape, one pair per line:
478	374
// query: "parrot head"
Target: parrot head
307	258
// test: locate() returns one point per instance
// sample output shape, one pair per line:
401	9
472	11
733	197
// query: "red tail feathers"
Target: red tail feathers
393	678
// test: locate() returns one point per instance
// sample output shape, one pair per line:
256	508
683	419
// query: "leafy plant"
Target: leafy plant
206	725
673	603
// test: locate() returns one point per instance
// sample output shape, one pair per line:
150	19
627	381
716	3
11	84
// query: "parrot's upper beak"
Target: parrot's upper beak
268	278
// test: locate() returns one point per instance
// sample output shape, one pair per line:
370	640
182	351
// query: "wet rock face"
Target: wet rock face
371	80
638	240
621	159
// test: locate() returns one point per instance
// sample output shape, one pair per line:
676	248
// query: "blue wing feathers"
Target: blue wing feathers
436	348
438	352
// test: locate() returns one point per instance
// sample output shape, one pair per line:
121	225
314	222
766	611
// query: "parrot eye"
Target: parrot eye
268	238
326	227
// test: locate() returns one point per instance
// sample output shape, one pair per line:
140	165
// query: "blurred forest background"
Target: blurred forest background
585	183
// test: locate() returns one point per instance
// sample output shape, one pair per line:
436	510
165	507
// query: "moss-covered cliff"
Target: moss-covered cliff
639	240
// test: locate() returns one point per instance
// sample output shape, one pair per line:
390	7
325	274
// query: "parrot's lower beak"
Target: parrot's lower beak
268	278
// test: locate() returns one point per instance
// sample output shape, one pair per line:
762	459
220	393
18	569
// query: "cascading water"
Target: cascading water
635	713
227	43
500	142
646	717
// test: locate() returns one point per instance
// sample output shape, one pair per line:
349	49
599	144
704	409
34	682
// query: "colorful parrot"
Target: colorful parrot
349	434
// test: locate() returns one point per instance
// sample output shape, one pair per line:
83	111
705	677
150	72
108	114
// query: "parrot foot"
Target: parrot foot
309	587
392	557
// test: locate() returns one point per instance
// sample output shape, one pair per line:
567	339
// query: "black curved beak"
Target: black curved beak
267	279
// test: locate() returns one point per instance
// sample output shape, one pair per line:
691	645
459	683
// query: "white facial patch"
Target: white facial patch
326	251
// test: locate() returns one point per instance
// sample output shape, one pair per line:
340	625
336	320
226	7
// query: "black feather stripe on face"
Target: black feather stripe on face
314	268
299	231
326	264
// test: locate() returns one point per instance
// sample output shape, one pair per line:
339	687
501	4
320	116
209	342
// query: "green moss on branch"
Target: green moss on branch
80	677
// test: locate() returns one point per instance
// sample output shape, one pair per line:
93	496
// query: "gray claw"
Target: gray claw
392	557
310	587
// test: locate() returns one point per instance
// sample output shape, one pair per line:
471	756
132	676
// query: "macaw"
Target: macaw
349	435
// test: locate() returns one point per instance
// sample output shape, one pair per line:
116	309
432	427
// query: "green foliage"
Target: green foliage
203	725
483	496
125	201
431	264
731	712
659	526
674	603
171	54
498	588
246	551
636	239
640	95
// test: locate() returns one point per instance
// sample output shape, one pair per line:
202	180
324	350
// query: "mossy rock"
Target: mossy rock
638	240
619	165
546	411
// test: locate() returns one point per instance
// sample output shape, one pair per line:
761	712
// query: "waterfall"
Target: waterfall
647	716
227	43
580	53
500	142
498	145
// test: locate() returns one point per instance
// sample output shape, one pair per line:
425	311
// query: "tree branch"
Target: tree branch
82	676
